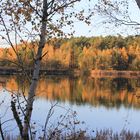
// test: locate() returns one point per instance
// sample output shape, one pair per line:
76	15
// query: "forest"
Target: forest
84	53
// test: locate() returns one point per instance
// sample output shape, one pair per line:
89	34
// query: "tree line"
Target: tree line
84	53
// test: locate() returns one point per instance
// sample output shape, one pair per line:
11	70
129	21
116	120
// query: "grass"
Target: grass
99	135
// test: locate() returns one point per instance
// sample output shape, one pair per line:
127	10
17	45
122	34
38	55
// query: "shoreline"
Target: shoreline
74	72
115	74
13	71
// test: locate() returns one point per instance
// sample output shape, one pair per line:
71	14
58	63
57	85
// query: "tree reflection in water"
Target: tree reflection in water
93	91
107	92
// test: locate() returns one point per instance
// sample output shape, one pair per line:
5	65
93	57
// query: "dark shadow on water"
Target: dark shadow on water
119	84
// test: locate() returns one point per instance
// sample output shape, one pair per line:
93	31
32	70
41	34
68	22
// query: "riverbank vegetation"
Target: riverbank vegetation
93	53
100	135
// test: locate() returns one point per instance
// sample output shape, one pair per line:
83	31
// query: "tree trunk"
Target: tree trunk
35	76
138	3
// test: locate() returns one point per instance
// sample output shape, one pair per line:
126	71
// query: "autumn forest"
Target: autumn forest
84	53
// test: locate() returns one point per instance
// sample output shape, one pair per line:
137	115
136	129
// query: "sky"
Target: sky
97	28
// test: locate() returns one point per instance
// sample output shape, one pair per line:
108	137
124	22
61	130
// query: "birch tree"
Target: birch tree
42	20
46	19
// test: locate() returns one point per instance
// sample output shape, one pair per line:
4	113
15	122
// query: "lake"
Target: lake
99	103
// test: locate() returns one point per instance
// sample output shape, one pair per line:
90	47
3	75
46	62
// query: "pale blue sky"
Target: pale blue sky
97	28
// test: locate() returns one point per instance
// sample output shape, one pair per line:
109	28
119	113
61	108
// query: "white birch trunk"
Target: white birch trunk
35	76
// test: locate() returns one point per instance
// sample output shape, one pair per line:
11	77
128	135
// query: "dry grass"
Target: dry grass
100	135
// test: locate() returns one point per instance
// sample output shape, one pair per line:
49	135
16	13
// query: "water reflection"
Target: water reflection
103	103
96	92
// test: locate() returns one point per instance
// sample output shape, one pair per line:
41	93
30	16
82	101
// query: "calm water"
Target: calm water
101	103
